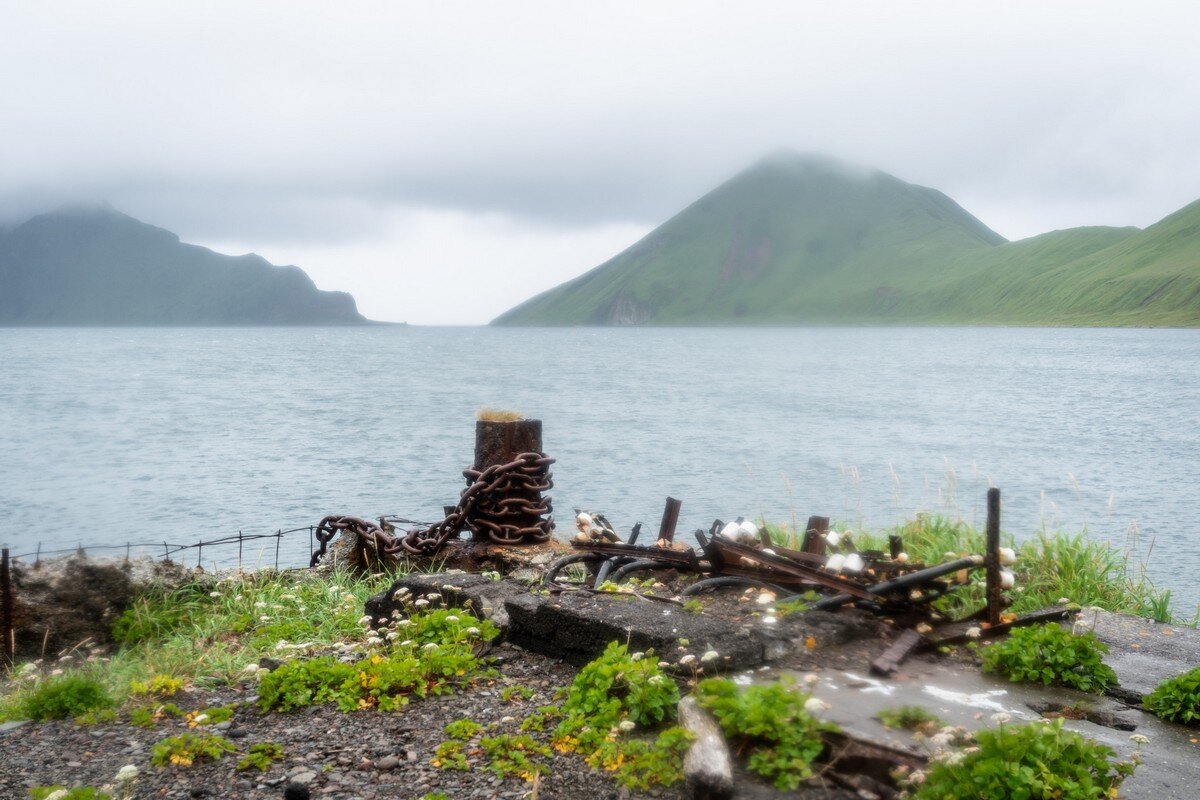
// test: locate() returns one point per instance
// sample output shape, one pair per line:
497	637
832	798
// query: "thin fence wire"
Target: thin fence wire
168	551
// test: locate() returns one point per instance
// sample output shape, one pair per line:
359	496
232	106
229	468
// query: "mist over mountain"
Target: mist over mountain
96	266
805	239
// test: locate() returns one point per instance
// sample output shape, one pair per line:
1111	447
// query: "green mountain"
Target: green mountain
99	267
799	239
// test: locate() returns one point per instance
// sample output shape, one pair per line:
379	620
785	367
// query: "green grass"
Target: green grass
206	634
1051	566
800	239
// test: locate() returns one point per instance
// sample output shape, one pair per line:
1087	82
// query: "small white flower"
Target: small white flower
1064	600
250	669
637	657
664	664
403	623
382	621
199	718
406	643
421	603
656	680
56	672
1001	718
711	655
1139	739
811	678
364	620
264	618
688	659
214	594
472	631
974	632
392	636
431	646
127	773
814	705
626	725
451	618
260	604
374	641
941	740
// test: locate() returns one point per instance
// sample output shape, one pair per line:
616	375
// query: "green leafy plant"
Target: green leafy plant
97	716
769	725
1177	699
910	718
610	699
1038	761
158	686
515	756
541	718
65	696
188	748
1050	654
260	756
463	729
77	793
693	606
510	694
451	755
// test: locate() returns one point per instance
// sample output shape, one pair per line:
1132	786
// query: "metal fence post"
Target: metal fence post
6	612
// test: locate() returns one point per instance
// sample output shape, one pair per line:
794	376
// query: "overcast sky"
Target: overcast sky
444	161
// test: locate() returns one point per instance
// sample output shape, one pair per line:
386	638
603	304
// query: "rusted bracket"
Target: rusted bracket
891	659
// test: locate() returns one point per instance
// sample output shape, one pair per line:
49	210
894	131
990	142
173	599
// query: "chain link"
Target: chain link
502	503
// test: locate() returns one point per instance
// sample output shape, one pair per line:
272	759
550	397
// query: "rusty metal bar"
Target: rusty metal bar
785	566
992	558
912	579
6	611
670	518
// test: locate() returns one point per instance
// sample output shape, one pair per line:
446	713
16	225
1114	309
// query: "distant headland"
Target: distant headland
96	266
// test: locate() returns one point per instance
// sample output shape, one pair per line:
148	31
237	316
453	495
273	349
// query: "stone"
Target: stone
707	765
479	594
387	763
61	603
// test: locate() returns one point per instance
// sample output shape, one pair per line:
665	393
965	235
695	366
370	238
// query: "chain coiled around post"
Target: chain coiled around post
502	504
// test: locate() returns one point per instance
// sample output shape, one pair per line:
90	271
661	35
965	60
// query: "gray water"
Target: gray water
112	435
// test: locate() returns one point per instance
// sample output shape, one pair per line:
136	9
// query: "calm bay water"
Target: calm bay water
110	435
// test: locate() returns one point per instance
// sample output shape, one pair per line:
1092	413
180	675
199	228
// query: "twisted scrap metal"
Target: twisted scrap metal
502	504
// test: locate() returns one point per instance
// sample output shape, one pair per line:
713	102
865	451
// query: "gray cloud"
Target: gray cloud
311	123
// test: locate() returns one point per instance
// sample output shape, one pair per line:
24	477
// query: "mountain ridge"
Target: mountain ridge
93	265
797	239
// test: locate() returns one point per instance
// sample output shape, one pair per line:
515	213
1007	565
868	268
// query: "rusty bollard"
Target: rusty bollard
514	509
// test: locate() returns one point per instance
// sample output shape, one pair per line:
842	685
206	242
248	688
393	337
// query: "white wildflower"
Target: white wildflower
627	725
127	773
421	603
56	672
451	618
1064	600
974	632
260	604
637	657
403	623
431	646
688	659
364	620
1001	718
664	664
1139	739
814	705
711	655
810	678
392	636
264	618
472	631
214	594
656	680
406	643
382	621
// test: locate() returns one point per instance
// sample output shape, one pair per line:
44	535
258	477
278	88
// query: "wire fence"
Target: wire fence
174	551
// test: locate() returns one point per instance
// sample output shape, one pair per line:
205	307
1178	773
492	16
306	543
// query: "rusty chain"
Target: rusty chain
502	503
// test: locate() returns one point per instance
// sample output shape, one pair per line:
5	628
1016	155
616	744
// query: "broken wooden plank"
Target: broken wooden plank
889	661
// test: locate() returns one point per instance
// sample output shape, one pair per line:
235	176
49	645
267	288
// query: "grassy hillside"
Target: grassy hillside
798	239
98	267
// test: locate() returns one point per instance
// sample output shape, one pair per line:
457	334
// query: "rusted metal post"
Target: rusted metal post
670	518
6	611
500	443
992	558
814	535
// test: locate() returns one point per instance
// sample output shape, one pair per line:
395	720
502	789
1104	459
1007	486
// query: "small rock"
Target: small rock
5	727
296	791
411	755
707	766
387	763
306	776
